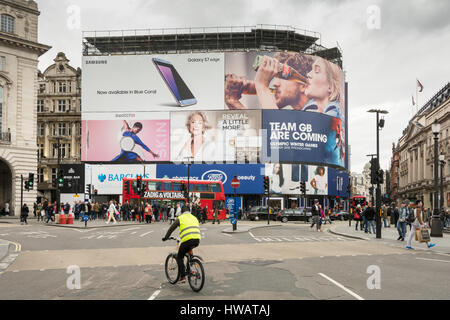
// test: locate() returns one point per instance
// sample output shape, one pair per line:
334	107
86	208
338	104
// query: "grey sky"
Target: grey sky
381	65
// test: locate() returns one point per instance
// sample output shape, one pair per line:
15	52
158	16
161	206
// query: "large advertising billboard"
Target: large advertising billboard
165	82
251	176
126	138
293	136
215	136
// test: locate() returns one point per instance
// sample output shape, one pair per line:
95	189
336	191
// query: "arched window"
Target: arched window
7	23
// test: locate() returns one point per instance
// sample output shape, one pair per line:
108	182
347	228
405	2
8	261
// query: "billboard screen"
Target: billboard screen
126	138
292	136
251	176
215	136
164	82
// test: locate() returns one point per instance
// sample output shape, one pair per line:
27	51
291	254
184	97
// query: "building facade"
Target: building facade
19	52
415	152
58	122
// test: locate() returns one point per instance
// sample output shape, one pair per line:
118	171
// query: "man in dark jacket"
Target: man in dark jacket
370	216
315	212
24	214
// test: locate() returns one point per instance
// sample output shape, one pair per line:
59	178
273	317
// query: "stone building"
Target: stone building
19	53
415	150
58	119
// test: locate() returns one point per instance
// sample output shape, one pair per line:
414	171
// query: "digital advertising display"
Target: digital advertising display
215	136
293	136
145	83
126	138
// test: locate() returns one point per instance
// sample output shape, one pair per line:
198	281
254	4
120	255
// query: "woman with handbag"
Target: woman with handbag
357	217
417	226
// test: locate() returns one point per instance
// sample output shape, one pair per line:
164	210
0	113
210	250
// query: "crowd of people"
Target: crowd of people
143	212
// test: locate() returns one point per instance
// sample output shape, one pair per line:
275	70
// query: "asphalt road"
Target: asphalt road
287	262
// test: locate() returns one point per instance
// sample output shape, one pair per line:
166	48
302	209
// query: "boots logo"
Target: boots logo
215	175
101	177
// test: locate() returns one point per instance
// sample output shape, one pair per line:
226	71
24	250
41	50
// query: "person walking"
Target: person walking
204	213
148	212
357	217
24	214
370	216
364	217
418	224
384	215
315	212
50	211
38	212
322	218
171	214
216	216
111	212
401	223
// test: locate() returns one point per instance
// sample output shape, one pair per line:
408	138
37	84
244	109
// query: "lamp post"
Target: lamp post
436	230
442	161
380	124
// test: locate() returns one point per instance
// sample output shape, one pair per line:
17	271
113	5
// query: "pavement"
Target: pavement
390	236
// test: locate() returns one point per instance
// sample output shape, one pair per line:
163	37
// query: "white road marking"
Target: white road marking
229	235
154	295
145	233
433	260
341	286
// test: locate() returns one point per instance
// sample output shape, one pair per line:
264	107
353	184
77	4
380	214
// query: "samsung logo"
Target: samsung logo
215	175
96	62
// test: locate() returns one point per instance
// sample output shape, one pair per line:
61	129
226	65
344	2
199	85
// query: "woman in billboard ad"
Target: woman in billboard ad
126	141
215	136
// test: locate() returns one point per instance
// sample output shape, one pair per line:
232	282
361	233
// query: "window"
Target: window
167	186
176	186
7	23
41	129
69	103
54	174
41	87
215	187
202	188
2	63
41	150
70	86
61	86
62	105
40	105
62	129
40	175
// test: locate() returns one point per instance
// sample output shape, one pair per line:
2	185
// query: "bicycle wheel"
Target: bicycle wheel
171	268
196	275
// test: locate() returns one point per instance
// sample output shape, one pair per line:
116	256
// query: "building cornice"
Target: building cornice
21	5
14	41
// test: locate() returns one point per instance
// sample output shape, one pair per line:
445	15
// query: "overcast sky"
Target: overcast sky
383	53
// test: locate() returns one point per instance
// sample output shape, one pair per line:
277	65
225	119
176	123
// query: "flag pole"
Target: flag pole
417	98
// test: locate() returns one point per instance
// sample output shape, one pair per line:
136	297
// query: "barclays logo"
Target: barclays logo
101	177
215	175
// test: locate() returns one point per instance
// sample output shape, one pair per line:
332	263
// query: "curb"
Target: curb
9	258
91	227
230	230
346	235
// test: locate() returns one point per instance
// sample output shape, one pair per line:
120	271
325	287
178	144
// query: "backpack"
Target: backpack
410	218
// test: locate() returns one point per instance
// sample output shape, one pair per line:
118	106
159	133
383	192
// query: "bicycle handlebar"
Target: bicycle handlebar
171	238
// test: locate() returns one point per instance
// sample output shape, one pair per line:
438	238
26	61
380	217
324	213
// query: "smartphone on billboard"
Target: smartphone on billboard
176	85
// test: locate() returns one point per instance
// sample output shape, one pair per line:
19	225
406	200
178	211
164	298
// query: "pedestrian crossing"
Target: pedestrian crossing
299	238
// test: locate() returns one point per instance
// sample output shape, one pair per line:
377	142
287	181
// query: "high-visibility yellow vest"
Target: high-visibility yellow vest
189	227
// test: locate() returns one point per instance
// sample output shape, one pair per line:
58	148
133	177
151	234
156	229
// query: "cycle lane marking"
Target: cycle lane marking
341	286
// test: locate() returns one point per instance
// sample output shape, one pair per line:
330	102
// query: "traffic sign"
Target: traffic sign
235	183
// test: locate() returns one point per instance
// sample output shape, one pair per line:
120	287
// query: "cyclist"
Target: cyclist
189	235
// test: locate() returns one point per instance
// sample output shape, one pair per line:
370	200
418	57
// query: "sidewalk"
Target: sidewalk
390	235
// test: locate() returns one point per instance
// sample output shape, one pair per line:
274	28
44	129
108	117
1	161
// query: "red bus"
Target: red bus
361	200
159	192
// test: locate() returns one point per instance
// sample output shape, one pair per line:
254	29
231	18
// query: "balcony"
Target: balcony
5	137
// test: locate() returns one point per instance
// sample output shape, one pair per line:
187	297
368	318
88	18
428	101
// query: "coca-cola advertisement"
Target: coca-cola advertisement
284	81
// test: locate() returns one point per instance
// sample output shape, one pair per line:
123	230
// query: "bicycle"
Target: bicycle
194	268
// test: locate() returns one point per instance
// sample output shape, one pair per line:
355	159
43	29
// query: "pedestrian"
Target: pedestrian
322	217
24	214
148	212
442	217
111	212
7	208
205	213
34	209
370	216
96	210
50	213
66	208
315	212
38	211
164	212
363	214
171	214
417	225
401	223
216	216
178	211
357	217
384	215
396	214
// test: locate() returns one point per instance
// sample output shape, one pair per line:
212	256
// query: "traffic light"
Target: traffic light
88	189
95	191
373	170
30	181
25	185
303	187
380	176
184	190
60	178
126	187
139	184
266	184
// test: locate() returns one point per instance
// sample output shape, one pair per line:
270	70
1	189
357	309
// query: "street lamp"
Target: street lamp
436	230
380	124
442	161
